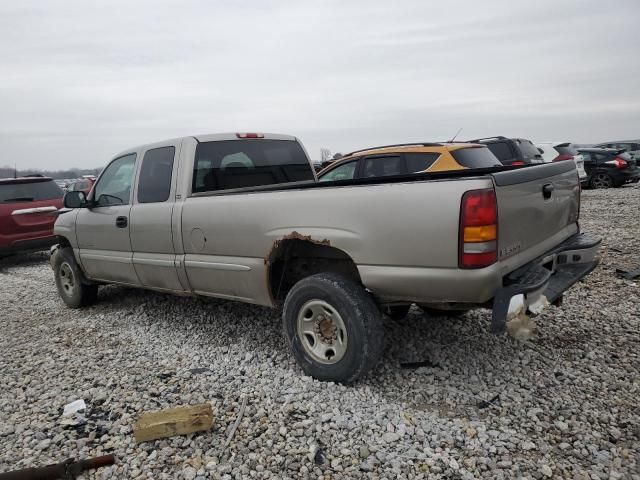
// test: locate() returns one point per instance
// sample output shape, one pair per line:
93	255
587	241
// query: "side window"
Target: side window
114	186
343	172
601	156
382	166
418	162
586	156
154	183
502	150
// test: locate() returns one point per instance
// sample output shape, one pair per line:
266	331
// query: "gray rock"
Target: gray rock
189	473
132	353
44	444
390	437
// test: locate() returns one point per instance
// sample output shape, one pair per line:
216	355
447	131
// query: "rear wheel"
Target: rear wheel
333	327
71	284
601	180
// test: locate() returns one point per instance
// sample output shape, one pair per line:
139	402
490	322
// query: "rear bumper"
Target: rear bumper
626	176
547	277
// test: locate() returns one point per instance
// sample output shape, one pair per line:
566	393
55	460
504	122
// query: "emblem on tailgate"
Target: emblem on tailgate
510	250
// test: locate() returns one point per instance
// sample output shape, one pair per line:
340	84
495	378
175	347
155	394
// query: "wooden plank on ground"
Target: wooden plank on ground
172	422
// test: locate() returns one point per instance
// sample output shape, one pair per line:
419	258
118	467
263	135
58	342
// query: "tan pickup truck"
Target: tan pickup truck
243	217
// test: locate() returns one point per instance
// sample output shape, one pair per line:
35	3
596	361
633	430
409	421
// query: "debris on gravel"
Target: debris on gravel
468	404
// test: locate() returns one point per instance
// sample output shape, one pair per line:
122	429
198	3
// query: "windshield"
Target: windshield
29	191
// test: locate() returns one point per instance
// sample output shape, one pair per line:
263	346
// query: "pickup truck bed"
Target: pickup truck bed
334	252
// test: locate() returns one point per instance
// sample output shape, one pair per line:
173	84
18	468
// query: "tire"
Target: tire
71	283
327	313
438	312
601	180
396	312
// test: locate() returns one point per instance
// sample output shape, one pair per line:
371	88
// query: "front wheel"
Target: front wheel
333	328
72	287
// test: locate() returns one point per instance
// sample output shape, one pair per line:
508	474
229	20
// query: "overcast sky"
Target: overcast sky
81	81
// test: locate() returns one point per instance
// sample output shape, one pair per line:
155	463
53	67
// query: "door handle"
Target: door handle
121	222
547	190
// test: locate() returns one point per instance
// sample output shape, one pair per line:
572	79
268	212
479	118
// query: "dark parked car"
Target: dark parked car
632	147
28	207
511	151
608	167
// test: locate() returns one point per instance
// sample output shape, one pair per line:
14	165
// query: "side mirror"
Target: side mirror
75	199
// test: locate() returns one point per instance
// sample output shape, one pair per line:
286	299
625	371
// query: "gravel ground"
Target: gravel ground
563	405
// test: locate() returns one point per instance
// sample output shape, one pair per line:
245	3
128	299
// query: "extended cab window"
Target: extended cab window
230	164
382	166
418	162
114	186
154	184
343	172
475	157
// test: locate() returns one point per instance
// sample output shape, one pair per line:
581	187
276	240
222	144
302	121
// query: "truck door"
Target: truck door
154	252
102	231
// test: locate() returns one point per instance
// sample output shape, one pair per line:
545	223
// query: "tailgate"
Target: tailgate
34	218
537	209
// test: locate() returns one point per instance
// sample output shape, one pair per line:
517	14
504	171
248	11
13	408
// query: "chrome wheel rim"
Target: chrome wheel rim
322	332
67	281
601	181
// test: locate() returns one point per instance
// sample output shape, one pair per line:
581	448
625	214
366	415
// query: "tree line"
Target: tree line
10	172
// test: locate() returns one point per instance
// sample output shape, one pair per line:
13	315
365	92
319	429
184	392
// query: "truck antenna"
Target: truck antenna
15	169
454	137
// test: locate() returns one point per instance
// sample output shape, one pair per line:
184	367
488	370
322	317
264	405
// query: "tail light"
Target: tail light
559	158
620	163
250	135
478	242
517	162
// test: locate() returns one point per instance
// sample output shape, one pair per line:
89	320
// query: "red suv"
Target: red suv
28	207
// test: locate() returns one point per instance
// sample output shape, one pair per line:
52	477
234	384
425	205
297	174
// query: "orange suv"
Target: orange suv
409	158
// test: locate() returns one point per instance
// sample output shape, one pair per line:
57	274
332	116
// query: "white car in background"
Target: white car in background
558	151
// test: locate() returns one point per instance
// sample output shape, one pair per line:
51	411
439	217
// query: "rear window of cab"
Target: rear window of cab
476	157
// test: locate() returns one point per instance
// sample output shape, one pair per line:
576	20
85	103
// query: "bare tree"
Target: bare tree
325	154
